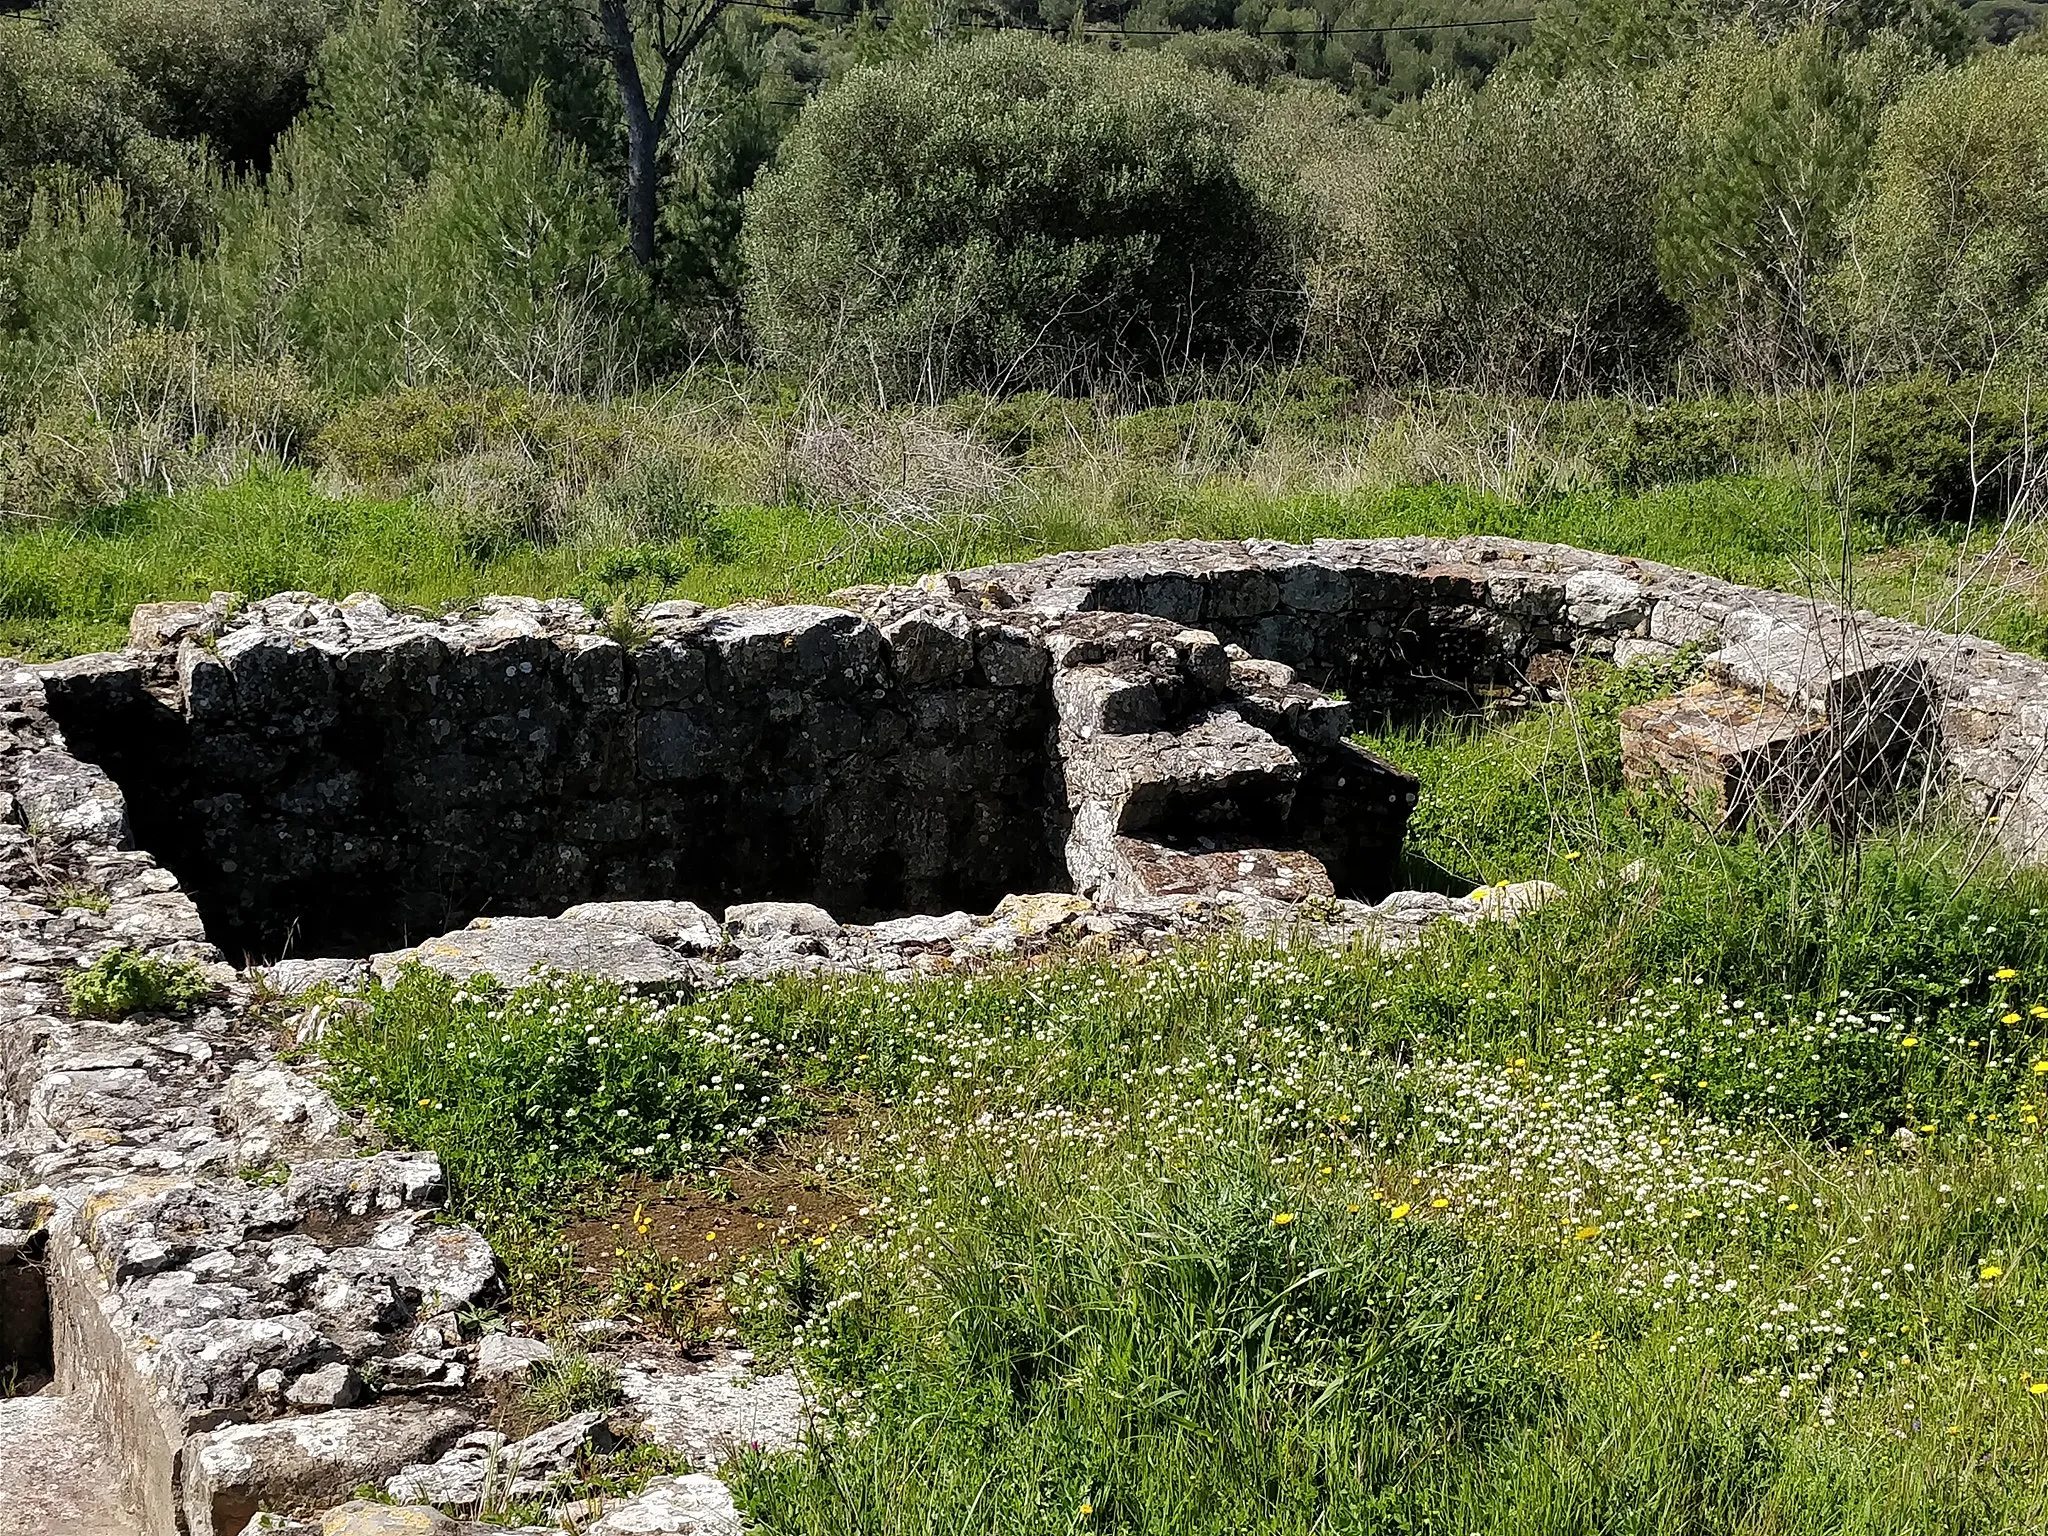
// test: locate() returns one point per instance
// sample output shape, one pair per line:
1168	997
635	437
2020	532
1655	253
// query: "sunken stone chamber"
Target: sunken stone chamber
336	779
1138	725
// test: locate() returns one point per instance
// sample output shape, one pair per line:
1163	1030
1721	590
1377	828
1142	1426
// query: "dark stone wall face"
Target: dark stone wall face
342	798
1400	642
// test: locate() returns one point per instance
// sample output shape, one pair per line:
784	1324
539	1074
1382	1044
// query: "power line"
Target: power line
1111	30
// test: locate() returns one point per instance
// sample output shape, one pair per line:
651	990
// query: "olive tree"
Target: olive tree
1010	213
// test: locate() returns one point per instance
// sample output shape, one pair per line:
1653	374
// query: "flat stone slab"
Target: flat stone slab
707	1412
1729	752
53	1472
511	949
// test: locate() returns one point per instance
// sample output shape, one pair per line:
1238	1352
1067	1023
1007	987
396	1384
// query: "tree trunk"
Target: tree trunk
643	133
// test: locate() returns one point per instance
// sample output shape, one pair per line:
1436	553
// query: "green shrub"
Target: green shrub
1947	260
1198	431
1774	136
149	412
125	981
1504	237
1033	426
231	72
1007	213
413	230
1927	447
70	115
1686	440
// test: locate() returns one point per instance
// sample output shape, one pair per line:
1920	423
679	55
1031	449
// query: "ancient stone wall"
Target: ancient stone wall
336	778
339	779
252	1305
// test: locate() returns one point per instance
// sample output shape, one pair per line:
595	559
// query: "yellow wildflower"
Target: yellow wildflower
1282	1218
2004	973
1399	1211
1989	1272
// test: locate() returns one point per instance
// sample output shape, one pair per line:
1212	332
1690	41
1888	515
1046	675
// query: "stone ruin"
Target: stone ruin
244	1304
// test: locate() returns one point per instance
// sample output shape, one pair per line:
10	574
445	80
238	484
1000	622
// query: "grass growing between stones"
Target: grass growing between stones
1709	1198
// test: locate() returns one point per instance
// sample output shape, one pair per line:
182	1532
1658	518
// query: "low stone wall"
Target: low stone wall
336	778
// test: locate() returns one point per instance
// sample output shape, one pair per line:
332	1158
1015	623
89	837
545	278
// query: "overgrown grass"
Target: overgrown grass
69	587
1596	1223
1536	1229
1709	1198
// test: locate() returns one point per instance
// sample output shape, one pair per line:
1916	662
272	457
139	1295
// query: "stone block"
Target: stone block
695	1505
161	626
1728	751
1151	871
360	1517
756	920
302	1465
508	1357
930	646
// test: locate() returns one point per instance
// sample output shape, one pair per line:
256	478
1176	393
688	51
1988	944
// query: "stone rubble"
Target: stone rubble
260	1310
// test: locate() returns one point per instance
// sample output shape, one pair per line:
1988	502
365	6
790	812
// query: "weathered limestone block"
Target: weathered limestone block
71	802
695	1505
303	1465
511	949
1731	753
1153	870
678	925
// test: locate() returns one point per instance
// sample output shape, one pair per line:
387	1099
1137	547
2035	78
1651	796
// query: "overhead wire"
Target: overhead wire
1110	29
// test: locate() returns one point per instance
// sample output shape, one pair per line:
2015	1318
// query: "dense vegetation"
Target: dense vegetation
636	297
314	202
1707	1199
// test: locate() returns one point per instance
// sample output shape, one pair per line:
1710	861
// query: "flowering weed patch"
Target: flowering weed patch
1710	1198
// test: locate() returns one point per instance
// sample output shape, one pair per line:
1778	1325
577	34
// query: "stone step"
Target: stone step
55	1472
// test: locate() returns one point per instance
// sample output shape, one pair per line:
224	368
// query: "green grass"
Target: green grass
1599	1222
69	587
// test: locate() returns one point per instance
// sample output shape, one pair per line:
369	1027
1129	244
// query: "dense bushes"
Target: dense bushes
70	114
1009	213
1773	140
412	230
1947	265
1503	236
230	72
1796	210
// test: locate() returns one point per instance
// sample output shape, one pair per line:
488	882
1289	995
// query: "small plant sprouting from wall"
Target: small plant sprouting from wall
125	981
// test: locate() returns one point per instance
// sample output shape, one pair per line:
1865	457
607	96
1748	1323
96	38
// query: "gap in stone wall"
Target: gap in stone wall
27	1357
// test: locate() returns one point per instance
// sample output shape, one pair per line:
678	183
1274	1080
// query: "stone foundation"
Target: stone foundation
336	779
257	1307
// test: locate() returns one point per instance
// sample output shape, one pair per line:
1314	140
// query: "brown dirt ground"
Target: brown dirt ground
705	1227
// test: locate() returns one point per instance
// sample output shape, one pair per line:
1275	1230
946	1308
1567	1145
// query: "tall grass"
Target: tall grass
69	586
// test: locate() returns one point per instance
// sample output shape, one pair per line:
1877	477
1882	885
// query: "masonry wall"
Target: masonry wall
336	779
340	779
